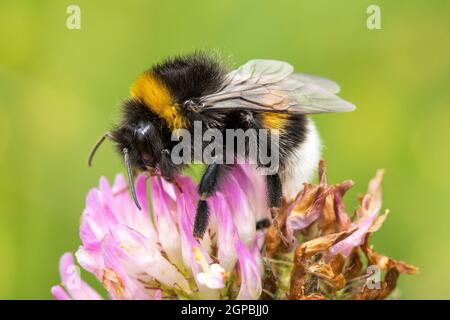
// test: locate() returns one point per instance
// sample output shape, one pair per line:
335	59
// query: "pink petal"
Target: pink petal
299	222
188	188
227	233
95	216
120	184
140	220
77	288
91	260
253	183
141	192
123	286
243	214
168	234
251	283
256	250
339	207
105	190
88	236
186	214
139	257
58	293
356	239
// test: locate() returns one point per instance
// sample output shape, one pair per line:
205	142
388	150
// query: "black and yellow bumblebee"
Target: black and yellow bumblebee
261	94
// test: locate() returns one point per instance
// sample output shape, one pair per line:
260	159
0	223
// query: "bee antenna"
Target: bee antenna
130	177
97	145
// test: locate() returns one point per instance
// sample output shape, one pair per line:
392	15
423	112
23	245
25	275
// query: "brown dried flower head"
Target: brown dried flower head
325	254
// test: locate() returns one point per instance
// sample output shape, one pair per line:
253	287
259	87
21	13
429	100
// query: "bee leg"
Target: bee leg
274	192
168	169
207	187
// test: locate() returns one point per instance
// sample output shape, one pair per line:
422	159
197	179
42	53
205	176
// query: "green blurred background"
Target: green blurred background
60	90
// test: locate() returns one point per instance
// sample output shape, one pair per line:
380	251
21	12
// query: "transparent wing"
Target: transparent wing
327	84
269	85
259	72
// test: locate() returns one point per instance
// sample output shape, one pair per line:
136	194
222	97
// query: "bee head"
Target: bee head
138	139
140	134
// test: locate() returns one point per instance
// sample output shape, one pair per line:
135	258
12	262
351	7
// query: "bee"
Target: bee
261	94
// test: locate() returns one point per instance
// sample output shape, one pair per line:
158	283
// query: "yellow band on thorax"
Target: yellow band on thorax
157	98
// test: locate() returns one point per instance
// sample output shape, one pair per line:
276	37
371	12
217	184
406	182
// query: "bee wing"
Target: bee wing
258	72
324	83
268	85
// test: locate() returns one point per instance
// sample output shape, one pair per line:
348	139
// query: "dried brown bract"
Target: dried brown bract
328	255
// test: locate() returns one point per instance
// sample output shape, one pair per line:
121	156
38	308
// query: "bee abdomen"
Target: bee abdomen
300	161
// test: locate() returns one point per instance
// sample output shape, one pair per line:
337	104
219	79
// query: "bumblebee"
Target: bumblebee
261	94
